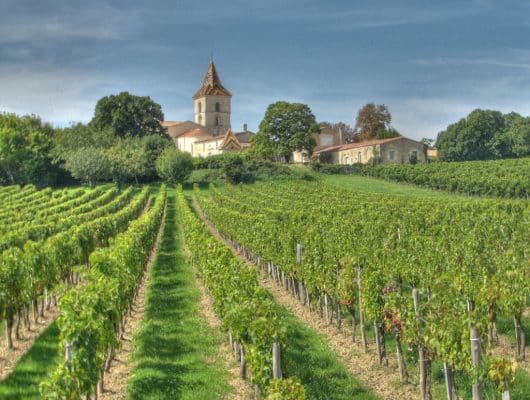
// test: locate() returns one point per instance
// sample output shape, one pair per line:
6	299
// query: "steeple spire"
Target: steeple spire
211	85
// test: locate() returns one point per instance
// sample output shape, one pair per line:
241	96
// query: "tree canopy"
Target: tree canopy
286	127
127	114
25	146
483	135
174	166
373	122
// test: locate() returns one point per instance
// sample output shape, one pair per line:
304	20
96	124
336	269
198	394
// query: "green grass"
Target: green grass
374	185
505	326
33	367
175	350
324	376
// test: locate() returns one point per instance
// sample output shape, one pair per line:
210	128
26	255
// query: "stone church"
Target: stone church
211	132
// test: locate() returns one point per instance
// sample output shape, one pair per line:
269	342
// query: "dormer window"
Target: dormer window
217	107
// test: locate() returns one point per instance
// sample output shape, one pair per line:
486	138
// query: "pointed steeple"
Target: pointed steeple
211	85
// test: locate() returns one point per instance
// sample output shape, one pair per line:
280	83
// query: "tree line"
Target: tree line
125	142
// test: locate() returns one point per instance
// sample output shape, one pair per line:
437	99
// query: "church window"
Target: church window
217	107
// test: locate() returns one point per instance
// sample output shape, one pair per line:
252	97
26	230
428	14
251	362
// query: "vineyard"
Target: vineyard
434	276
277	290
508	178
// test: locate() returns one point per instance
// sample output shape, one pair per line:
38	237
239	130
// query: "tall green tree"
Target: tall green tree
88	164
25	151
518	134
128	114
483	135
286	127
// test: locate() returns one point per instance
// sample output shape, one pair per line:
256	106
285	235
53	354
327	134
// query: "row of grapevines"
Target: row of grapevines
6	191
501	178
247	311
18	194
29	201
28	272
59	200
91	315
110	201
366	254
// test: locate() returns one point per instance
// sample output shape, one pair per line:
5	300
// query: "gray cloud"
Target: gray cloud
91	20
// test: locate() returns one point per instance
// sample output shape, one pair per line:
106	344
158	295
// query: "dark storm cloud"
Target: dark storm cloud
430	62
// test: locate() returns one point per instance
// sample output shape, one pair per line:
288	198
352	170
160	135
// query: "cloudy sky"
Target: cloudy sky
430	62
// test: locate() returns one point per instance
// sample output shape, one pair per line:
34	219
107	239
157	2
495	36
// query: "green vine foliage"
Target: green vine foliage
457	252
247	311
91	314
286	389
27	272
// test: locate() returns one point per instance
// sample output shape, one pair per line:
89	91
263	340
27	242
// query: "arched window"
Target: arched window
199	106
200	119
217	107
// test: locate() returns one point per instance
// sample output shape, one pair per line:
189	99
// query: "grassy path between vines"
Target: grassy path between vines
175	353
33	367
308	356
375	185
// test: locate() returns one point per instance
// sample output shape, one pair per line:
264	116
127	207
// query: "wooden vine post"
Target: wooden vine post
425	387
299	258
276	361
519	337
474	337
449	382
361	313
243	367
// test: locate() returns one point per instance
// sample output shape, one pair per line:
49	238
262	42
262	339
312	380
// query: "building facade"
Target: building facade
397	150
211	132
326	138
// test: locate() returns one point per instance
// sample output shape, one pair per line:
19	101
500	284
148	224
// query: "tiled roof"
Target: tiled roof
211	84
175	129
196	132
244	137
170	123
358	144
210	139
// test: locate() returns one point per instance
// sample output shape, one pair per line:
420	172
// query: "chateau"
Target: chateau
211	132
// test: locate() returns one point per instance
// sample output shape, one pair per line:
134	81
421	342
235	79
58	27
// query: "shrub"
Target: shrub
233	168
174	166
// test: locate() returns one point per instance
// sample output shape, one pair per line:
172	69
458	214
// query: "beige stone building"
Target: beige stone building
397	150
211	132
326	138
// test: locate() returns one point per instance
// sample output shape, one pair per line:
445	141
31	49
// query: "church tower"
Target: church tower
212	104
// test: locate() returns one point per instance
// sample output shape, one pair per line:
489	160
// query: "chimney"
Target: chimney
244	127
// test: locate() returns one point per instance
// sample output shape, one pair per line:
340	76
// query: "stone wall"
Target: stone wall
206	113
